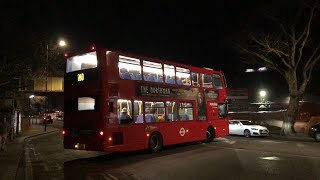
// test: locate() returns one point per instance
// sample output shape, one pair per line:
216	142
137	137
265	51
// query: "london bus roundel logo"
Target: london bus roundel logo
182	131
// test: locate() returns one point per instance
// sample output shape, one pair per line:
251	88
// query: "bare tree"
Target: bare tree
292	51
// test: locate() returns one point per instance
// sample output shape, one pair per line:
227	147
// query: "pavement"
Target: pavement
13	153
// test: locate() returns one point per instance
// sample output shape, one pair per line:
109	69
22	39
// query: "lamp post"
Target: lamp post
30	105
61	43
46	98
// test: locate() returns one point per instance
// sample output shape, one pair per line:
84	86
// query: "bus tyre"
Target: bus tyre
246	133
210	135
317	137
155	142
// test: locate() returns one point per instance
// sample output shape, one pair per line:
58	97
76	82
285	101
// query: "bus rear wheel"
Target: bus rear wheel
210	135
155	142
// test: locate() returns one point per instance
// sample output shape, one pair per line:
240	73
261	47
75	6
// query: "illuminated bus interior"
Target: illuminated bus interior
154	111
130	68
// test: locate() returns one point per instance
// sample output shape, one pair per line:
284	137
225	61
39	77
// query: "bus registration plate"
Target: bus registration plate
80	146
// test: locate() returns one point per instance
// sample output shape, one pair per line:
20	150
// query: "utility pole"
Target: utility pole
46	98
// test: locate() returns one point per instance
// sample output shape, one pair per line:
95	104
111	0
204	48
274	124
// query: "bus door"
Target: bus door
173	129
187	114
131	122
181	127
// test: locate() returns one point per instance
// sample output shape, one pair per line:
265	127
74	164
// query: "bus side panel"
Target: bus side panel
170	132
134	136
198	130
221	127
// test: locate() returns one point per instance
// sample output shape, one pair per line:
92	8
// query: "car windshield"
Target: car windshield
247	123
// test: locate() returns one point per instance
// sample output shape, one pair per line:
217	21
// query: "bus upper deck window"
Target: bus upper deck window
217	81
183	76
129	68
81	62
152	71
207	80
169	74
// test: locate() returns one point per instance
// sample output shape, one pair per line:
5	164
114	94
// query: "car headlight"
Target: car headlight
254	129
315	129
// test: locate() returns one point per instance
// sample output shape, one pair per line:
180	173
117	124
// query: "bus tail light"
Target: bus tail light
93	47
110	138
64	132
148	134
101	133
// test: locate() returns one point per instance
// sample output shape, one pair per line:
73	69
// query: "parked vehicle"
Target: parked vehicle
246	128
59	118
48	119
314	132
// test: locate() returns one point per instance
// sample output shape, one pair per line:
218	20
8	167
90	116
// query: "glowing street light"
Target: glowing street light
263	93
62	43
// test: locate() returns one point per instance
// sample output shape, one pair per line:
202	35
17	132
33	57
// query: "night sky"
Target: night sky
198	33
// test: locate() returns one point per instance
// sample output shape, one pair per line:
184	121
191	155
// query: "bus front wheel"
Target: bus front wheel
155	142
210	135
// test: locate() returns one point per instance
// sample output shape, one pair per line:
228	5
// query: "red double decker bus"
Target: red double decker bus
116	101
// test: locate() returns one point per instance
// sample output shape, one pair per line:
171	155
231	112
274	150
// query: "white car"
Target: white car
246	128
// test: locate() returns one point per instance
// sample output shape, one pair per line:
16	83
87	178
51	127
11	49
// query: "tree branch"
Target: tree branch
278	52
311	58
267	61
293	47
305	35
283	29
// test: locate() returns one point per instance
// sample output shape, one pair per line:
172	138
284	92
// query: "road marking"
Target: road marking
28	169
269	141
226	140
271	158
300	145
113	177
100	175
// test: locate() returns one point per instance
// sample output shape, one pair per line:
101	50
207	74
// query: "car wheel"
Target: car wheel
210	135
317	137
155	142
246	133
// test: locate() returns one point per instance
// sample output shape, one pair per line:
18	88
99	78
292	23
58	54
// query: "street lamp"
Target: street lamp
263	94
61	43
